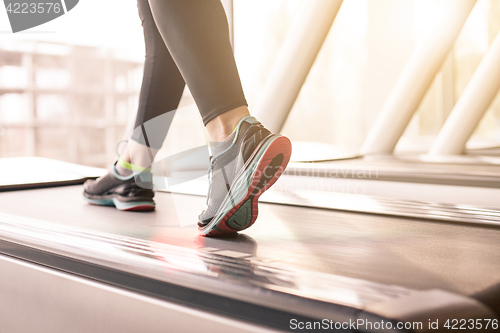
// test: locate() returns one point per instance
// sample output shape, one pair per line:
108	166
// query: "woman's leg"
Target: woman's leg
161	92
196	33
249	158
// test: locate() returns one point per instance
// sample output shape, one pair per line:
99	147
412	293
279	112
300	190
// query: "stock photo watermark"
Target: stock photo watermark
27	14
189	171
192	164
385	325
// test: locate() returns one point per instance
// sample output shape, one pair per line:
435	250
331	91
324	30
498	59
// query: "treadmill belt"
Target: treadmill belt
411	253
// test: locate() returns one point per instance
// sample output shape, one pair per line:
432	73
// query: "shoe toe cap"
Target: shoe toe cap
203	221
88	186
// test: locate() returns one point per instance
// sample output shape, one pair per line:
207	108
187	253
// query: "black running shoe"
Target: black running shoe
244	165
124	193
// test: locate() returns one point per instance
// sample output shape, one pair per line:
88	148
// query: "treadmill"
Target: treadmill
317	258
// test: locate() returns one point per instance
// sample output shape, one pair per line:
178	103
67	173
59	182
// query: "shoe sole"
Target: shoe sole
131	206
258	178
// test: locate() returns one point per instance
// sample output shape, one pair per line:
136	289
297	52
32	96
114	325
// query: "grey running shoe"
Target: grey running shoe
244	165
124	193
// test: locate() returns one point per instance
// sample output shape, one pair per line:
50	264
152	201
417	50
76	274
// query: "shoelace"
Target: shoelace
209	181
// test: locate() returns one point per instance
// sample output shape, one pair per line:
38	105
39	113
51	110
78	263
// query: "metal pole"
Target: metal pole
471	106
294	62
416	77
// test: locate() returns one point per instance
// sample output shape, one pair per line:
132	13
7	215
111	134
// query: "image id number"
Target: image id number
32	8
462	324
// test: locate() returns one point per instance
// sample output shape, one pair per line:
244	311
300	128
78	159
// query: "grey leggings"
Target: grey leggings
187	42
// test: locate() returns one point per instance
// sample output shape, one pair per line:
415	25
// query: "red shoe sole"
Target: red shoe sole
139	209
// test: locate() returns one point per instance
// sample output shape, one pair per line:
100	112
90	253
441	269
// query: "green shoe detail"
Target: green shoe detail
242	218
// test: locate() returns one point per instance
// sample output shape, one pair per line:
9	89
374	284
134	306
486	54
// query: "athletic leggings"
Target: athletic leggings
187	41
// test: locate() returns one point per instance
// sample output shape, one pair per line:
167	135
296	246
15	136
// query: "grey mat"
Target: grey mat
30	172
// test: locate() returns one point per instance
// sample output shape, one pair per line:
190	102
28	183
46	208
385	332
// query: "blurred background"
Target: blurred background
69	88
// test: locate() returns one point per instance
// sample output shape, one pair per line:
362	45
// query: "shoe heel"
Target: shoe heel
273	164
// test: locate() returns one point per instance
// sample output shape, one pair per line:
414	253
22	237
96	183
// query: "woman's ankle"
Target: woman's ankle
135	158
223	125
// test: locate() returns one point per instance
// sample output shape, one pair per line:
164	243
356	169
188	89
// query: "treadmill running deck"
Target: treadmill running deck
411	253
